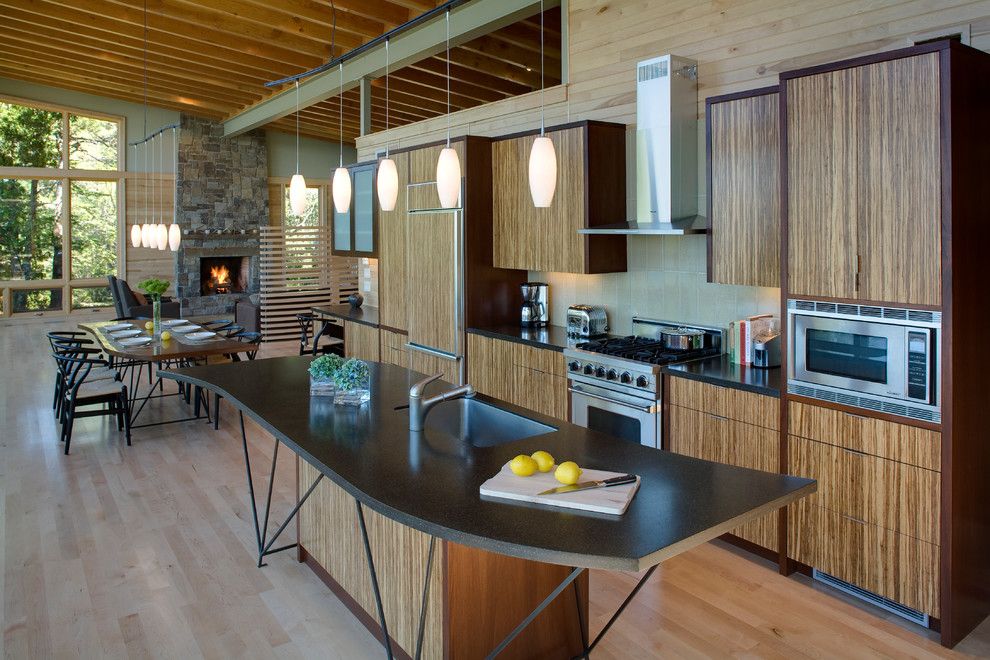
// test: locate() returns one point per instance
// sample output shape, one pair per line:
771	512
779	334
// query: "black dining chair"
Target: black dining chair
60	340
75	367
242	335
327	330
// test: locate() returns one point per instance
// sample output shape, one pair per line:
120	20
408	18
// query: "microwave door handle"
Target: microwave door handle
646	409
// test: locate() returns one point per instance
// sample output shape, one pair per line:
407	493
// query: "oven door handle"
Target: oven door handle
646	409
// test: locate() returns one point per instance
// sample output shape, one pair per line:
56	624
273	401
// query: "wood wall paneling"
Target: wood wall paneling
744	162
361	341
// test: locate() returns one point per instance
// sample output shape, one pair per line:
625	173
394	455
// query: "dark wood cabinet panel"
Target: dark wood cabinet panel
744	190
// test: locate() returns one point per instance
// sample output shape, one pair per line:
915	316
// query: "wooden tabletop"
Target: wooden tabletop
172	349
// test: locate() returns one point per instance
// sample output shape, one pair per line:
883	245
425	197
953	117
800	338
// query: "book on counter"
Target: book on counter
743	332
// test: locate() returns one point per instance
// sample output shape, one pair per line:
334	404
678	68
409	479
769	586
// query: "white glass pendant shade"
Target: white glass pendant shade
297	194
161	236
136	235
341	190
388	184
448	178
146	235
174	237
542	172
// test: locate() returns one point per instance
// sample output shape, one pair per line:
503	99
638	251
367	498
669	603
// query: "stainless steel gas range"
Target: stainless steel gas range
615	384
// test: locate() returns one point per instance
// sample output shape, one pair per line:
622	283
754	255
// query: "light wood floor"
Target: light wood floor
147	552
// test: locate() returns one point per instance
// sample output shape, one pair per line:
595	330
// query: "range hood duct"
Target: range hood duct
666	151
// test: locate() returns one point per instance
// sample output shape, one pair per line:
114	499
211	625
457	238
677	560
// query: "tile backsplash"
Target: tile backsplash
666	280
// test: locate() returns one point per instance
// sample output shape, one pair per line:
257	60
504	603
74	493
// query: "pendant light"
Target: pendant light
161	231
135	228
448	165
388	176
174	233
297	186
341	177
542	157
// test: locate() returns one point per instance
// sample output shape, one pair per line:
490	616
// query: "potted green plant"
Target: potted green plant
321	373
154	288
353	381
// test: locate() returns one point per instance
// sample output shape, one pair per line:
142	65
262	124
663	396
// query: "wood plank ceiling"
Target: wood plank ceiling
211	58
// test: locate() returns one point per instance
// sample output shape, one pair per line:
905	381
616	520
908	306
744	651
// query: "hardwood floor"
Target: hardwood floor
148	552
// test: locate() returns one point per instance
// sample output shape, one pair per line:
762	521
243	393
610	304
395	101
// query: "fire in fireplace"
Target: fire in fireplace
223	275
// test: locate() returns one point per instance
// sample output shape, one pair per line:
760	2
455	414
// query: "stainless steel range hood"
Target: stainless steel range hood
666	152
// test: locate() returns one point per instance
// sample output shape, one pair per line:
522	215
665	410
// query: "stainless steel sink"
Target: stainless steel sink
481	424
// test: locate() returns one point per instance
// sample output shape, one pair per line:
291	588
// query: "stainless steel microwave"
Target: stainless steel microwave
878	358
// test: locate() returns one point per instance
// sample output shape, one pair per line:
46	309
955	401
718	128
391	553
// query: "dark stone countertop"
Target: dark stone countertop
552	337
719	370
430	481
363	314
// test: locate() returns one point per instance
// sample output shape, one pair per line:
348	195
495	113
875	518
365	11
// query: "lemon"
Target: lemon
150	325
544	461
166	335
568	473
523	465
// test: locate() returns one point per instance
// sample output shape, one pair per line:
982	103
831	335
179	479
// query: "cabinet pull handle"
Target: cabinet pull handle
721	418
855	452
853	415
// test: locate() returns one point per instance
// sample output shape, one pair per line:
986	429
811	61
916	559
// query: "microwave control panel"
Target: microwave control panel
918	364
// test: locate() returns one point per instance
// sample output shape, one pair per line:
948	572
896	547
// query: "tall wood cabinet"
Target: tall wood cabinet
392	253
885	197
591	191
864	180
743	144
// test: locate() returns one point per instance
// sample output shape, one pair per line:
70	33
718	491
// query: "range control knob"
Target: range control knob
573	365
600	372
588	369
625	378
612	374
642	381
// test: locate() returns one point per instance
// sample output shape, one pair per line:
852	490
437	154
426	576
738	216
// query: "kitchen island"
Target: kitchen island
376	499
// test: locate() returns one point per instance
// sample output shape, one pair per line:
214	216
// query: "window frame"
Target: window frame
65	175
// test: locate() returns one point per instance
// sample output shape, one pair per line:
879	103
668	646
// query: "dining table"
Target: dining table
134	350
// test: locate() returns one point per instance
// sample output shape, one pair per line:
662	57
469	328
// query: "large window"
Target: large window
60	215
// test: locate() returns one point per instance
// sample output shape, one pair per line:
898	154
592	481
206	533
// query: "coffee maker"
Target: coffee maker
535	311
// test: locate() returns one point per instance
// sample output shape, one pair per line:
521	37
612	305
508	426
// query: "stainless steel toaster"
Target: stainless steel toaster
586	321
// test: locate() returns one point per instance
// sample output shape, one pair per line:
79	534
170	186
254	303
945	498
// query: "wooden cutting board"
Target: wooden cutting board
508	486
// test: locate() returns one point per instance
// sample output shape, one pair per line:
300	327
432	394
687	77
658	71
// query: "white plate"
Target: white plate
117	326
121	334
199	336
183	329
172	322
135	341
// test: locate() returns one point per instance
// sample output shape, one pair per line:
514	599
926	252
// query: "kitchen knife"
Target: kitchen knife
585	485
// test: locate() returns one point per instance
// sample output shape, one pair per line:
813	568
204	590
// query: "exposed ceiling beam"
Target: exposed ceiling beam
467	22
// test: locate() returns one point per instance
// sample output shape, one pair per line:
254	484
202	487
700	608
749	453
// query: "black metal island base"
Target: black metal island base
374	499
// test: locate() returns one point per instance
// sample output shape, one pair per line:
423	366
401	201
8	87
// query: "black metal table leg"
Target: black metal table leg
423	604
374	580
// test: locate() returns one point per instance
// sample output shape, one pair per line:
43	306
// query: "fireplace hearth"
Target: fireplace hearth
220	275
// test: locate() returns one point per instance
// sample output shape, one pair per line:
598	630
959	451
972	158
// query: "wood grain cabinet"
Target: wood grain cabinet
863	177
727	426
743	144
361	341
591	191
526	376
875	520
392	272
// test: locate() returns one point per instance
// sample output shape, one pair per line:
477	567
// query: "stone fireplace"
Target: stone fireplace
221	200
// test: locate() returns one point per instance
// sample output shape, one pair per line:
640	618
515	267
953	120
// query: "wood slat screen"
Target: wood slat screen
298	272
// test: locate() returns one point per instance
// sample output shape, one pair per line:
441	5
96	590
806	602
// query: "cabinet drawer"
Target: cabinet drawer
725	402
540	359
897	442
540	391
896	496
361	341
896	566
719	439
394	348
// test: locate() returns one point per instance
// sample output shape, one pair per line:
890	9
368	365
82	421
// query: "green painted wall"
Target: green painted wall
318	158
